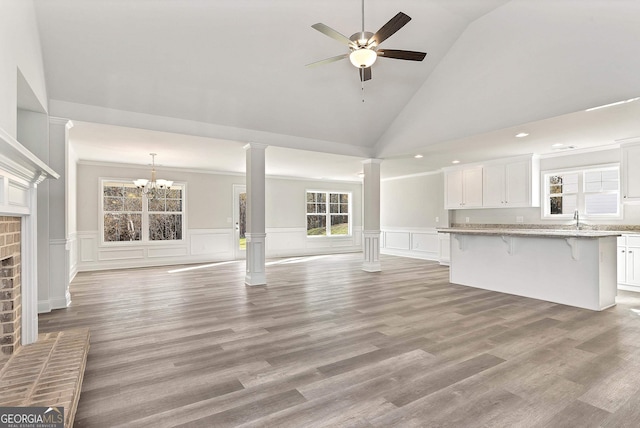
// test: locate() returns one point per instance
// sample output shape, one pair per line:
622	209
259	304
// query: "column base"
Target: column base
59	295
371	267
371	250
255	274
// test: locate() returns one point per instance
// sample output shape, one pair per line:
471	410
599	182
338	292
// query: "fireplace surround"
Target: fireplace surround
20	173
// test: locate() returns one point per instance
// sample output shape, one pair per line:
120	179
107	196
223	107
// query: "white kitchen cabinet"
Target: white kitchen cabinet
511	183
629	262
622	264
463	188
631	172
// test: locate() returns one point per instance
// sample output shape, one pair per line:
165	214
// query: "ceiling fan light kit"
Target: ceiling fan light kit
363	45
363	57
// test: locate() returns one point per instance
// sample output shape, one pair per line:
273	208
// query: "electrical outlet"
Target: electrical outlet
437	219
519	219
466	220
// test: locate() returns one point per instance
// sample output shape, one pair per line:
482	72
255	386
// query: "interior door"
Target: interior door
239	220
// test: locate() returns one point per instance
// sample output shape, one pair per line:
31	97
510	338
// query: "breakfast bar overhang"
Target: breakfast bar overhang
571	267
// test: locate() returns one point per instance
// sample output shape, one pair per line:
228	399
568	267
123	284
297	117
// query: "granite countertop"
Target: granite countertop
548	233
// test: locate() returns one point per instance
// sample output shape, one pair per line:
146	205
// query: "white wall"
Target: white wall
210	229
286	224
410	210
33	133
20	52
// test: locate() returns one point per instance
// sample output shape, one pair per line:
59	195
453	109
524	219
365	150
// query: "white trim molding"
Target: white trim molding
255	274
417	243
200	246
371	250
59	295
203	246
20	173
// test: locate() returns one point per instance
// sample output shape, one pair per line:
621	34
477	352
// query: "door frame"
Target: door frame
238	253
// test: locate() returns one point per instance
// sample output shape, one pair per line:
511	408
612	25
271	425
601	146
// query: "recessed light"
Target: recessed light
521	135
559	146
455	161
418	156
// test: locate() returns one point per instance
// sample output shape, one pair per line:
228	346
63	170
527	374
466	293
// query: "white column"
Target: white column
29	271
256	236
59	295
371	232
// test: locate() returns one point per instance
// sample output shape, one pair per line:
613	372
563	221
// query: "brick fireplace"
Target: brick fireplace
46	369
10	295
20	173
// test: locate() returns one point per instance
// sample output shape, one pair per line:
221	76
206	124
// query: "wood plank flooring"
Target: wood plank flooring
328	345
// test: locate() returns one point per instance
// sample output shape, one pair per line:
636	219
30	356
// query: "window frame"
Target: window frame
581	193
145	217
328	213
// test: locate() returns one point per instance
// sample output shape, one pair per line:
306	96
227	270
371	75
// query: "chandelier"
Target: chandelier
151	188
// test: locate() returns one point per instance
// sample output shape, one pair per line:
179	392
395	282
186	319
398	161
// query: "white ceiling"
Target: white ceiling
195	80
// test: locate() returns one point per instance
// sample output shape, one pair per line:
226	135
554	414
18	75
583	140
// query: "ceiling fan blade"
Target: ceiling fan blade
400	54
389	29
365	74
328	31
328	60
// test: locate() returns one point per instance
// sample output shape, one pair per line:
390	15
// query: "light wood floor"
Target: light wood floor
326	344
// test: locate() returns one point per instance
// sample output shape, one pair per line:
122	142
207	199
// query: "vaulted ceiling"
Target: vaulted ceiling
233	71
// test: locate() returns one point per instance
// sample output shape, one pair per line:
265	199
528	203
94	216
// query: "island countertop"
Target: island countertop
544	233
566	266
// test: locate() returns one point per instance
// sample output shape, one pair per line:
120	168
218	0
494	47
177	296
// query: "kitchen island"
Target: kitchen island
571	267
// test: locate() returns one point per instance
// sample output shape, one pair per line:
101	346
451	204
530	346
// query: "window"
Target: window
128	215
594	192
328	214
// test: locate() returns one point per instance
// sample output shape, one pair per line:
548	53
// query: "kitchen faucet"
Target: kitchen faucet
576	217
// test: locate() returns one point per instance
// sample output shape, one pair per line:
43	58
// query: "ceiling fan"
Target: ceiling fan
363	45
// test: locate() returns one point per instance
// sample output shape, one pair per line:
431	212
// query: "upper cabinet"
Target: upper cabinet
631	172
511	183
463	188
503	183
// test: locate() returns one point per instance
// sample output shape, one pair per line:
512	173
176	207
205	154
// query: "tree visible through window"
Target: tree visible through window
328	214
563	193
127	212
593	192
122	205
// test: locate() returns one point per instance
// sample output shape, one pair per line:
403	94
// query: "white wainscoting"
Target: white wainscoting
59	263
293	241
217	242
203	246
72	243
200	246
418	243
